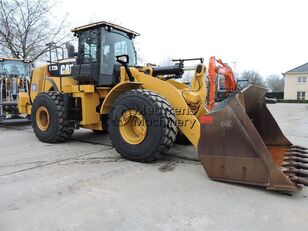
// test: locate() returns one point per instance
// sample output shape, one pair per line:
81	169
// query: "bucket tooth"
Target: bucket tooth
299	147
296	159
295	154
297	150
300	180
295	165
290	153
297	172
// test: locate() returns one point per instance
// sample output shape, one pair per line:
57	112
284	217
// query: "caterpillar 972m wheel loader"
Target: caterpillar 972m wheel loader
143	108
14	78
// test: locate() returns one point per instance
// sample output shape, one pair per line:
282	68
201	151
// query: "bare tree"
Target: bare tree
252	77
26	27
140	55
275	83
187	76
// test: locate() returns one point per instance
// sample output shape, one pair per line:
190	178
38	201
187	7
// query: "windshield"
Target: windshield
116	43
14	67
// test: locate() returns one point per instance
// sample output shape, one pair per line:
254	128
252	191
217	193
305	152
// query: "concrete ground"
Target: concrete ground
84	184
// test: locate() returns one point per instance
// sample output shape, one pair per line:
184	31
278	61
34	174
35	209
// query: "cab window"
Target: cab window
115	43
89	46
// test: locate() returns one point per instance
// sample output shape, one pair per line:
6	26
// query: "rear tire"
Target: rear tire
48	118
159	130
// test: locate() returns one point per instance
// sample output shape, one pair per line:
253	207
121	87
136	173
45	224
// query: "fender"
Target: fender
54	86
115	92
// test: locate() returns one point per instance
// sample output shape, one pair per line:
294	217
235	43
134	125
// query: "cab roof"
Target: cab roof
107	24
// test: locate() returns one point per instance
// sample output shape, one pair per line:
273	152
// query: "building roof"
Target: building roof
103	23
300	69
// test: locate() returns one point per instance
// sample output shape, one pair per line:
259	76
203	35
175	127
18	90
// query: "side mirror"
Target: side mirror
122	59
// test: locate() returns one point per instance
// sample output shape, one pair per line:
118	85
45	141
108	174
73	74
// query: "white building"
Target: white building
296	83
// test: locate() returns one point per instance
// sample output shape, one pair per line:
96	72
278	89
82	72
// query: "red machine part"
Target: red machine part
216	66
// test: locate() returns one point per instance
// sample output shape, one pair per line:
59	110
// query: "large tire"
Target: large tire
55	128
160	125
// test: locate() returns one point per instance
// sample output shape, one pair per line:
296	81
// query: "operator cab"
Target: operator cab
99	44
15	68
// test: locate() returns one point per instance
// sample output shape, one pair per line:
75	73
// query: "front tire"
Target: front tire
48	118
142	125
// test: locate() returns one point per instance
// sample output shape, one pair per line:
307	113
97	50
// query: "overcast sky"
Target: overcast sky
270	37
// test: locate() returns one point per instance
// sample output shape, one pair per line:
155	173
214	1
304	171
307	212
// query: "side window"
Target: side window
302	79
113	44
89	46
301	95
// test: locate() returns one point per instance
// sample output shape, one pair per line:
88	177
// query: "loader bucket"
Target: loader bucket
241	142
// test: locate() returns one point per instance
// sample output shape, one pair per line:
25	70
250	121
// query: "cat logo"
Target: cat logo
66	69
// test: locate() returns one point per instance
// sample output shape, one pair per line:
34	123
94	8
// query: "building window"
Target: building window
301	95
302	79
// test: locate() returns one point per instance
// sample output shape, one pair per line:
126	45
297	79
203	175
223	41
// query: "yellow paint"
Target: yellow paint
133	127
42	118
115	92
188	102
178	85
103	92
36	83
187	122
89	102
97	126
69	88
41	82
23	103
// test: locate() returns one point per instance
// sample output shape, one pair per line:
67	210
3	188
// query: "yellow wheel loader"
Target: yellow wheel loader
14	78
144	107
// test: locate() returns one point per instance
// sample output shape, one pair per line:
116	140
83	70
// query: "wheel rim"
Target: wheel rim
133	127
42	118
